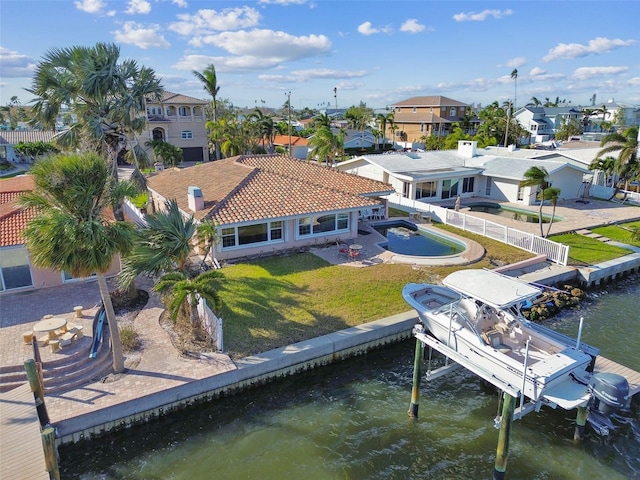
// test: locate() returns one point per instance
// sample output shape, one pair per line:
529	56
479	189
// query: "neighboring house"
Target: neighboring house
417	117
617	114
178	120
9	138
16	271
542	123
439	176
268	203
299	145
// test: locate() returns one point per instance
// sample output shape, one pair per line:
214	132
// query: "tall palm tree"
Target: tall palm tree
162	245
325	145
605	165
108	97
209	81
384	120
73	231
207	234
537	177
626	144
514	76
553	195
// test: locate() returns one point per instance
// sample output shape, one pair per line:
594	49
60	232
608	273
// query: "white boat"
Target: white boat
476	321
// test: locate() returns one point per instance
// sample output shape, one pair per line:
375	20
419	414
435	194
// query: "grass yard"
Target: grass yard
586	251
273	302
619	233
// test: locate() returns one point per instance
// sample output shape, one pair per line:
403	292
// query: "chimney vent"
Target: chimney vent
195	199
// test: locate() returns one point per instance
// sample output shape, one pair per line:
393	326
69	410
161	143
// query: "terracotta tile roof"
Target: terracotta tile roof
11	137
284	140
254	187
14	219
429	101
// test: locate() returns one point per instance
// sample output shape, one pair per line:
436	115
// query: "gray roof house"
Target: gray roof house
439	176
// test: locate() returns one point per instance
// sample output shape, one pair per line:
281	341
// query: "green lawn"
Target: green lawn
619	233
277	301
587	251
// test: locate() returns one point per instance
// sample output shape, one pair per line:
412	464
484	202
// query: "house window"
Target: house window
228	237
520	193
15	271
452	112
276	230
322	224
467	184
406	188
67	277
487	190
252	234
449	188
187	135
426	190
398	109
415	109
183	112
422	128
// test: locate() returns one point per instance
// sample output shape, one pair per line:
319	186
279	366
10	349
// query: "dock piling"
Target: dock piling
417	374
581	421
35	382
50	452
502	452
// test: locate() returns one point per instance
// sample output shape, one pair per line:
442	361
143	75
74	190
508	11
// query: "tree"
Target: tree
384	120
537	177
606	165
209	81
568	128
168	154
626	144
108	97
162	245
73	231
207	235
325	145
553	195
514	76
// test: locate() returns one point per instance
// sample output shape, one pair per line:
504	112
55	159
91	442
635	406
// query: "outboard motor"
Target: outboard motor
609	393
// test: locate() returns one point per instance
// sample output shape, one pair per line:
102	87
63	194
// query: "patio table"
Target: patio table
49	326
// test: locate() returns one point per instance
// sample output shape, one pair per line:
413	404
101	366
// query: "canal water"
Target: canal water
349	421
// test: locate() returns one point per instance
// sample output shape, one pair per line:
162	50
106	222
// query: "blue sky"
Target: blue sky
378	52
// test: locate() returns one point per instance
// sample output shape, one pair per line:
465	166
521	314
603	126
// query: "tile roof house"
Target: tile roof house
268	203
179	120
439	176
299	145
16	271
9	138
424	116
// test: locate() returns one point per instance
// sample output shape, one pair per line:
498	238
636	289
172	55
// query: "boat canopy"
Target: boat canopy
491	288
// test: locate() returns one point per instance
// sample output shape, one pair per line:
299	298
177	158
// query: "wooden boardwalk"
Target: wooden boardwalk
21	451
603	365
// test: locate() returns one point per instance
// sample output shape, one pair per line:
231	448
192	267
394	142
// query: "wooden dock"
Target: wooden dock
603	365
21	451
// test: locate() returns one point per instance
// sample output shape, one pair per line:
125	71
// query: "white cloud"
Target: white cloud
481	16
367	29
634	82
180	3
269	45
584	73
298	76
596	46
207	21
16	65
138	6
90	6
412	26
516	62
141	36
282	2
536	71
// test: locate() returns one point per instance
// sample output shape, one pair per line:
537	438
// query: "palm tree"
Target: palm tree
162	245
108	97
514	76
605	165
207	234
626	144
325	145
209	81
383	121
537	177
73	231
553	195
182	292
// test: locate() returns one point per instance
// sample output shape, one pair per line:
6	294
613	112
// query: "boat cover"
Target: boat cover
494	289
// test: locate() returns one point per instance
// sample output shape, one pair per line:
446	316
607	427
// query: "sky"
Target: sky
326	53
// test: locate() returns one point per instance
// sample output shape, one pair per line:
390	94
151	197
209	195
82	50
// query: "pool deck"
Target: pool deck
372	253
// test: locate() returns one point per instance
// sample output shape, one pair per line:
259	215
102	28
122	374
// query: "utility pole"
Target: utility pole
506	134
335	96
288	94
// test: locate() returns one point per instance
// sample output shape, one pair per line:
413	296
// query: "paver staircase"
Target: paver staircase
73	368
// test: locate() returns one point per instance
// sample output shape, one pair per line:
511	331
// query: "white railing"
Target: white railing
598	191
211	323
556	252
134	213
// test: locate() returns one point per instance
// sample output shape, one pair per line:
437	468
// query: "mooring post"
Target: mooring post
50	452
417	374
502	452
38	390
581	421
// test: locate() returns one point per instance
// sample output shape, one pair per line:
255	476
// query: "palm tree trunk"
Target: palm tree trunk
540	213
114	333
553	214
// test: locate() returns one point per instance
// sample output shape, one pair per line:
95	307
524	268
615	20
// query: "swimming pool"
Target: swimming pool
405	238
511	213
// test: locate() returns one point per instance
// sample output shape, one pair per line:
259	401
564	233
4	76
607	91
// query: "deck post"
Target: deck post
581	421
502	452
38	390
417	373
50	452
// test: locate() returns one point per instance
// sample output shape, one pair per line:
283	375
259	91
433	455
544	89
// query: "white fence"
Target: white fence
598	191
556	252
211	323
133	212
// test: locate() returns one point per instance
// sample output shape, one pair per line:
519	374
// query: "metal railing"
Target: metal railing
554	251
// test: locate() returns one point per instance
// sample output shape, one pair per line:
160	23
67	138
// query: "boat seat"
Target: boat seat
493	338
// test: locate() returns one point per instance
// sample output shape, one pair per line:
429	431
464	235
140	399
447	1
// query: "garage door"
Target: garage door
193	154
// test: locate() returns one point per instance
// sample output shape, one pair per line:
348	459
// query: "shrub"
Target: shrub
141	200
129	338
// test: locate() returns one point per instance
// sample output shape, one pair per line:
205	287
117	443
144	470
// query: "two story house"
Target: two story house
179	120
417	117
542	123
